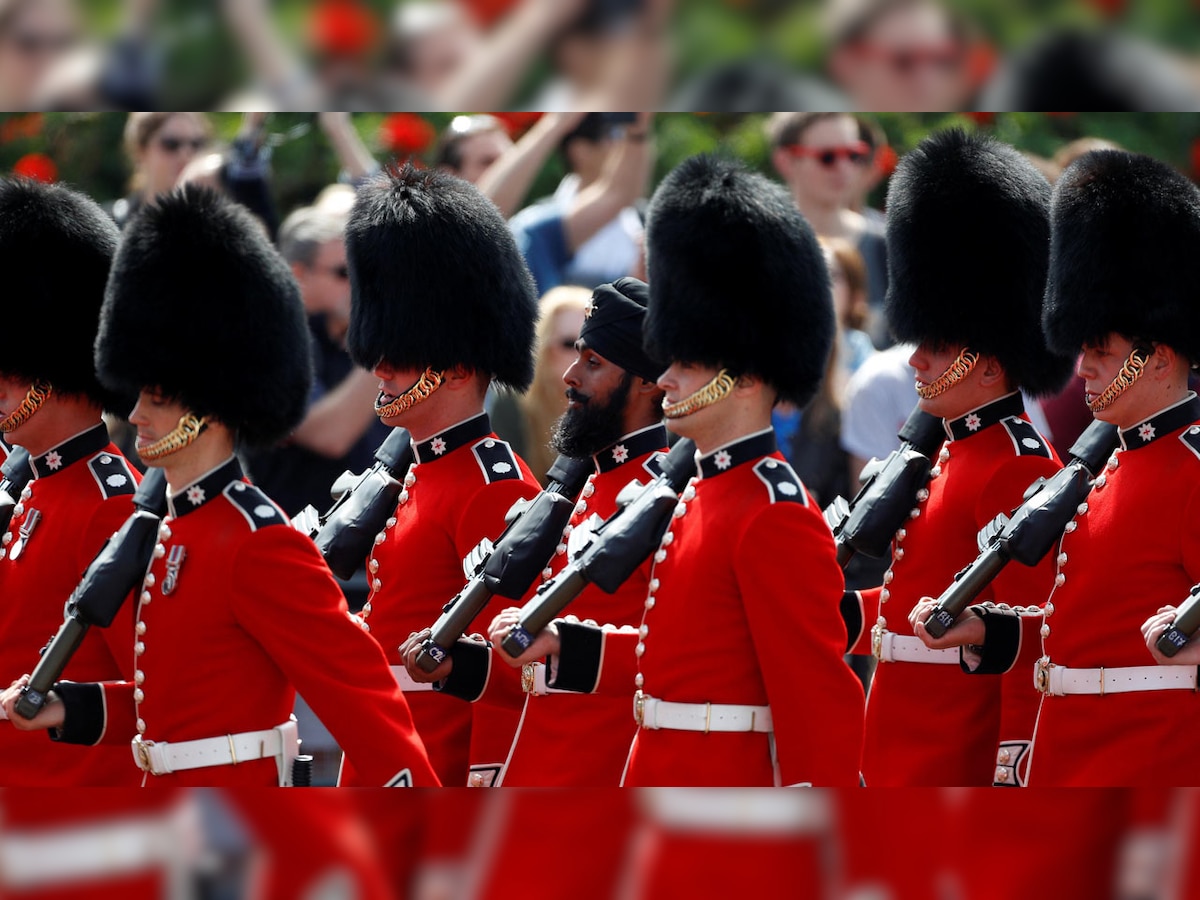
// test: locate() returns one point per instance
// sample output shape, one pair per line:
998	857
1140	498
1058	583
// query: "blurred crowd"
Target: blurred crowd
598	54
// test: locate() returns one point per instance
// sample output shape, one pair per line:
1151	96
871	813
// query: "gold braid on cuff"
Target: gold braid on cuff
429	382
717	389
188	429
1130	372
39	392
956	372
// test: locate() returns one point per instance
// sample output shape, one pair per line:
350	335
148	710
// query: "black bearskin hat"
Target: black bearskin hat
1124	254
201	305
437	280
56	247
968	237
737	278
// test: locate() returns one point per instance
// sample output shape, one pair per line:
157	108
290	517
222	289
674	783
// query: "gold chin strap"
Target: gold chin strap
718	389
188	429
955	372
1130	372
39	392
429	382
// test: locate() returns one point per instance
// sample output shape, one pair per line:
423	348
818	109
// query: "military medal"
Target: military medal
25	531
174	561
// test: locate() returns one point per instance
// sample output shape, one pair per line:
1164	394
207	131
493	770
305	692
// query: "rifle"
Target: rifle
621	544
1033	528
362	506
15	474
1185	624
868	523
115	572
510	566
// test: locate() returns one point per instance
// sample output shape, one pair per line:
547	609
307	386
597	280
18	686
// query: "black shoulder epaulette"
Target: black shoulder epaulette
496	460
1025	438
1191	439
254	505
113	475
782	483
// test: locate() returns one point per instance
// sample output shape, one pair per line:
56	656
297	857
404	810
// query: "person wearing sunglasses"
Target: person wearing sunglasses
34	35
891	55
159	145
822	159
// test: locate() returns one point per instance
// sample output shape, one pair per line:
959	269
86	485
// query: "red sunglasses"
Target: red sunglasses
857	153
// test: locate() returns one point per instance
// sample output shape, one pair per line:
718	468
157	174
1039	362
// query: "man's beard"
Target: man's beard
592	426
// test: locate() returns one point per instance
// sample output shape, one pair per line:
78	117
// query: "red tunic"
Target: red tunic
1133	549
926	724
253	616
457	493
744	610
80	496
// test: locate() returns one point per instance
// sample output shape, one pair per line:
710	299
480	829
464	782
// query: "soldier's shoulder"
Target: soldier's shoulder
255	507
1026	440
112	474
496	460
780	481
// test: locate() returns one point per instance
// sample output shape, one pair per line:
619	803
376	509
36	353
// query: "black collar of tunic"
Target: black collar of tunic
744	450
630	447
1162	423
446	442
204	489
82	446
985	416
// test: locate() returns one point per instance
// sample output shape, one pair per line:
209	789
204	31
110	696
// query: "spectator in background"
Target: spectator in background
821	158
159	145
903	55
470	144
525	420
614	162
340	430
34	36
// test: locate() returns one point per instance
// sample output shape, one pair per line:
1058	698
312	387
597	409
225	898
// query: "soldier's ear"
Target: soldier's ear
990	370
642	387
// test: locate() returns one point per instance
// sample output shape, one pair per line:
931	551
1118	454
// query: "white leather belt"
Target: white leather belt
533	680
108	848
164	757
650	712
1060	680
892	647
407	684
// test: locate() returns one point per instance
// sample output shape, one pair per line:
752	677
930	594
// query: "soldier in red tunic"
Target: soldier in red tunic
1124	277
567	739
735	667
238	610
968	230
56	247
442	305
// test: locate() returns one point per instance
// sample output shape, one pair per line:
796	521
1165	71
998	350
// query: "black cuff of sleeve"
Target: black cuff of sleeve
1001	643
852	615
469	677
579	657
83	705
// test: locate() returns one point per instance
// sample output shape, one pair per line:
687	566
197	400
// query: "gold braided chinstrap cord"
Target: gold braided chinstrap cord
717	389
39	392
955	372
176	439
429	382
1131	371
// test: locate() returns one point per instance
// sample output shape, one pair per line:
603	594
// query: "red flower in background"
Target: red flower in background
37	166
405	134
16	127
885	160
488	11
342	28
981	118
1195	154
517	123
1110	8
